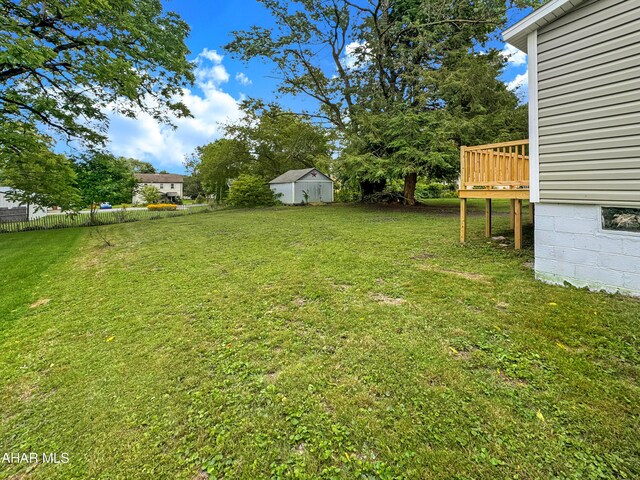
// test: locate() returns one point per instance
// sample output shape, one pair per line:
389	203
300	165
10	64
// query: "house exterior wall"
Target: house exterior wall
571	246
588	86
13	211
163	187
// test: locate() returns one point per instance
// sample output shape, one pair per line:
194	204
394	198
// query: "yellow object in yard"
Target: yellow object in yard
162	206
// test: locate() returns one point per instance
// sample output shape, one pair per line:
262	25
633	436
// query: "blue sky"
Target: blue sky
221	83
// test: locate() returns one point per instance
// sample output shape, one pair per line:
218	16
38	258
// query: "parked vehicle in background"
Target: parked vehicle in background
105	206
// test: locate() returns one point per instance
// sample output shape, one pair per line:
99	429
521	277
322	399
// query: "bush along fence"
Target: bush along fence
67	220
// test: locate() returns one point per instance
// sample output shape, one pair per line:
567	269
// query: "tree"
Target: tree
216	163
150	194
138	166
192	186
279	140
389	58
250	191
65	65
104	178
38	175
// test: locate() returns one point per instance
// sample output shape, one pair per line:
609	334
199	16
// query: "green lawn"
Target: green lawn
317	342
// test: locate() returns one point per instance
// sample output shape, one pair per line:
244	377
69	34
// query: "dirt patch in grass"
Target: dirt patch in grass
514	382
423	256
27	391
299	302
271	377
387	300
476	277
460	354
299	449
39	303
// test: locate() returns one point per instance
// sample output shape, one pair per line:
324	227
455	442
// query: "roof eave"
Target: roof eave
517	34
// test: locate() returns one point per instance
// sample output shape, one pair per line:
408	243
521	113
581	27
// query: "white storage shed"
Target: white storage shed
303	186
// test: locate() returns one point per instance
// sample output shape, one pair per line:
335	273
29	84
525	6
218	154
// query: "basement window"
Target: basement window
621	219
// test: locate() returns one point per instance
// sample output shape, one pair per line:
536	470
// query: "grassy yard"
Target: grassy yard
318	342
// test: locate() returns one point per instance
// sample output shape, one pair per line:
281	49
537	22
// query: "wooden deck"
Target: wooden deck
497	170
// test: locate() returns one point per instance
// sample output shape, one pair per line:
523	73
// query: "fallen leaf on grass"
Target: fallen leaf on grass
540	416
562	345
553	304
109	339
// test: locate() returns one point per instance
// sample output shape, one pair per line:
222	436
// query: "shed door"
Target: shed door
315	192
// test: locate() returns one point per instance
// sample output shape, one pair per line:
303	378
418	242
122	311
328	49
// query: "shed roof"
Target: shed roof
517	34
159	178
295	175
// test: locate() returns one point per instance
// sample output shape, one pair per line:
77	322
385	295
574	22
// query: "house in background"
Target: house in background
584	140
303	186
170	186
11	211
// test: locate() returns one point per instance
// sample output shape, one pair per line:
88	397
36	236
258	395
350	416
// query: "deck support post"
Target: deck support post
512	213
487	218
463	220
518	223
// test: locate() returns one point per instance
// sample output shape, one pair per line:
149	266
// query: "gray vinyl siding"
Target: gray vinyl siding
589	105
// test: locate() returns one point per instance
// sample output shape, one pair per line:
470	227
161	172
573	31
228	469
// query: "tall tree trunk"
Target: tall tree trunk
410	182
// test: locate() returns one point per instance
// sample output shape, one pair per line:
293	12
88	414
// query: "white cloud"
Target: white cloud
352	55
146	139
514	56
210	69
519	85
216	74
521	81
242	79
211	55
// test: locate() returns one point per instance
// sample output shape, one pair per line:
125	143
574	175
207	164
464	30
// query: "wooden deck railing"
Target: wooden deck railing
504	165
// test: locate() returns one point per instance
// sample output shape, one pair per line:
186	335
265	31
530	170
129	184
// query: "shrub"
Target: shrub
200	199
436	190
161	206
346	195
386	196
250	191
430	190
150	194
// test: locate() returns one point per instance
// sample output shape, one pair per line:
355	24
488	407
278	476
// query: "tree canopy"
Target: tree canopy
139	166
65	65
104	178
416	73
